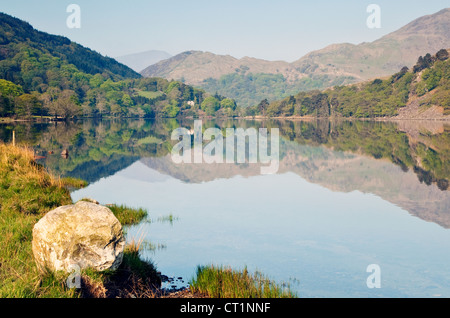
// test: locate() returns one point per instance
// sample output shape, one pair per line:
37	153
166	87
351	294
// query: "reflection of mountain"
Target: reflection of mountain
335	170
405	163
92	171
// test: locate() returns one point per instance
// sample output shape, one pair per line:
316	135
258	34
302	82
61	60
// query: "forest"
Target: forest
249	89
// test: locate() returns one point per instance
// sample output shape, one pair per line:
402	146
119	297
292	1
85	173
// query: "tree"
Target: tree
228	103
126	100
63	104
442	55
27	105
210	104
423	63
274	109
400	74
262	106
8	93
171	110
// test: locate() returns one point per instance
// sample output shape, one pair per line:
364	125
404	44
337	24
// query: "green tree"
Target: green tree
262	107
27	105
126	100
210	104
228	103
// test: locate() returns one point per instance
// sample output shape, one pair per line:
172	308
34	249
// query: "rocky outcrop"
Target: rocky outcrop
84	234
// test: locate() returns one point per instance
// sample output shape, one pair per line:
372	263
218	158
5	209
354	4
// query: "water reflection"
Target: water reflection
404	163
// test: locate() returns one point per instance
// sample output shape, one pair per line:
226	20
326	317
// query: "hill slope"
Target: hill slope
384	56
420	93
17	36
248	80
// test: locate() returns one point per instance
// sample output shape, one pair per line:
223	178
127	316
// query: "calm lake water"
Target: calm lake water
346	195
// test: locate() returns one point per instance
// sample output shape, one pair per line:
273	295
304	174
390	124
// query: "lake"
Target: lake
355	208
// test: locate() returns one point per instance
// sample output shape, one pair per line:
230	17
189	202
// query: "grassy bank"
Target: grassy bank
27	192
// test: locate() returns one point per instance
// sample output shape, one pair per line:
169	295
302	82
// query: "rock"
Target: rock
85	234
65	154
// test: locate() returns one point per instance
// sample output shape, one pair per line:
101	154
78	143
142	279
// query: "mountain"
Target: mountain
384	56
249	80
195	66
140	61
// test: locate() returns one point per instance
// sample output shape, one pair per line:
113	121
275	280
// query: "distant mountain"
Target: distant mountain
140	61
196	66
249	80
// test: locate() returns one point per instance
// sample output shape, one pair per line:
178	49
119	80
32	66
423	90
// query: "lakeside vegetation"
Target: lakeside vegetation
225	282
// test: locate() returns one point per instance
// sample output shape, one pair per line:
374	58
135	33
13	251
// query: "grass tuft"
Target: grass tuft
127	215
224	282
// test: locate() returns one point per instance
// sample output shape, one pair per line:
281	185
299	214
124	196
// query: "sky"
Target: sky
267	29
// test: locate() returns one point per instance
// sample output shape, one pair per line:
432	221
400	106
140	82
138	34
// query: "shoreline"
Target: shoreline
6	120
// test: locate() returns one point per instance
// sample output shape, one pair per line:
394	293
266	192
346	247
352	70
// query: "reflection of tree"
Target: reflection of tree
426	157
99	147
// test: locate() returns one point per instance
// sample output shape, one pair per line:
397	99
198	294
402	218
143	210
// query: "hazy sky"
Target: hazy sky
272	30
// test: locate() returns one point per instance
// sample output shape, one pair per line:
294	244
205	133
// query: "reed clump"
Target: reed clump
225	282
